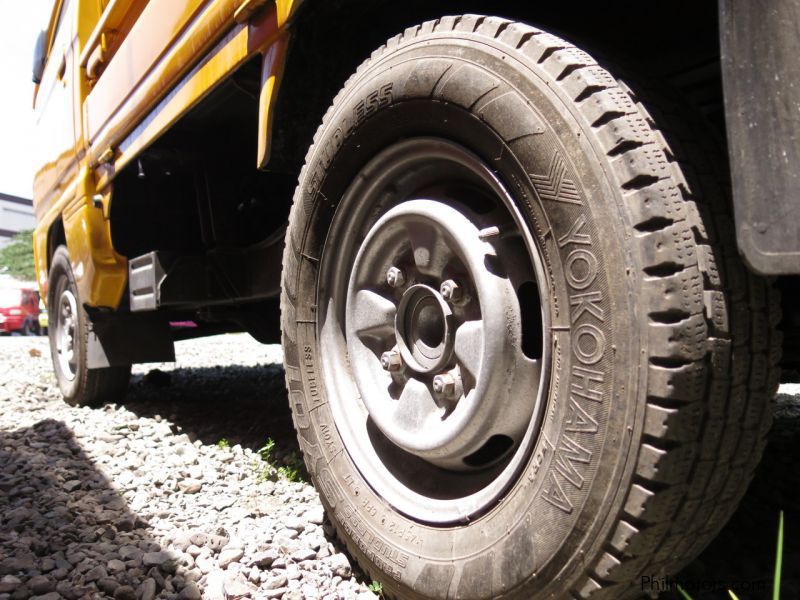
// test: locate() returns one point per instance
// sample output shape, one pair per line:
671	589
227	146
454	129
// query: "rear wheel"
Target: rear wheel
523	356
68	334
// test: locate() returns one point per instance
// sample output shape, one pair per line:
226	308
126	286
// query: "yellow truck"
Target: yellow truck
528	304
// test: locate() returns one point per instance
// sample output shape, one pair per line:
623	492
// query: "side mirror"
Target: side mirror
39	57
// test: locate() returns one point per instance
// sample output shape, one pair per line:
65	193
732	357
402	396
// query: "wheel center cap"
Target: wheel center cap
424	329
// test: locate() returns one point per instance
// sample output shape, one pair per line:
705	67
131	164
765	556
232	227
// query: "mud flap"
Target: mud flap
125	340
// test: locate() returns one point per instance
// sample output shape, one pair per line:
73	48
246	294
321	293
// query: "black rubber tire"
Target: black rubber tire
89	387
634	476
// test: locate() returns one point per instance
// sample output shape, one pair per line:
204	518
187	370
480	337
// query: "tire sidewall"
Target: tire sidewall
559	506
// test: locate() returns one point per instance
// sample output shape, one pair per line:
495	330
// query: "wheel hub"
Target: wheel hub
450	391
424	329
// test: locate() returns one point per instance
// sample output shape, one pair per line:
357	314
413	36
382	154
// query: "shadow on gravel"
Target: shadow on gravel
62	523
243	405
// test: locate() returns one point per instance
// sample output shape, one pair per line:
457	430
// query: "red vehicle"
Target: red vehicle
19	311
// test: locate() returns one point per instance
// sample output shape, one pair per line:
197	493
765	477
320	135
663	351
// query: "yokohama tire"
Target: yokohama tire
68	334
658	349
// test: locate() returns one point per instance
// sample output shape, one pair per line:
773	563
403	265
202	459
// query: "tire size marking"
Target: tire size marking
369	507
352	484
405	532
383	555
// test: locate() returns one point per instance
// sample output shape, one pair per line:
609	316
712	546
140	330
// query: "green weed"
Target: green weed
776	585
263	472
376	587
265	452
291	470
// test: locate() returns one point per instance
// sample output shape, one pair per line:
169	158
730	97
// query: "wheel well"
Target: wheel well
56	236
620	31
196	199
197	187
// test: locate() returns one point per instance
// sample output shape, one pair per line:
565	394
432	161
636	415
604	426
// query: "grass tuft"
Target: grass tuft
292	468
376	587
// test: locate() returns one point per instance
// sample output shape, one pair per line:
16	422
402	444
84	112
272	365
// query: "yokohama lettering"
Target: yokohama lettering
572	454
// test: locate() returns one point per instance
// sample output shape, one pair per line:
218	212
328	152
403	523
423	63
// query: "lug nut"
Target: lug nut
391	361
447	386
395	277
451	291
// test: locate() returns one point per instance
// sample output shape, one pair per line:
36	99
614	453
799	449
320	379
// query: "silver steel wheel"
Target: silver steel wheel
65	332
436	305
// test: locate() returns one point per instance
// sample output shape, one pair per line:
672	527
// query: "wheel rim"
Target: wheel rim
66	327
429	311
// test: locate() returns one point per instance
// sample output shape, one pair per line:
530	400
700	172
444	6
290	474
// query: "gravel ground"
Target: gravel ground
145	500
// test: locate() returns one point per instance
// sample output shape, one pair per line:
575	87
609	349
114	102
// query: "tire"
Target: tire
612	267
80	385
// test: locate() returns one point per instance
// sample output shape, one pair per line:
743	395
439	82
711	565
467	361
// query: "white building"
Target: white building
16	214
